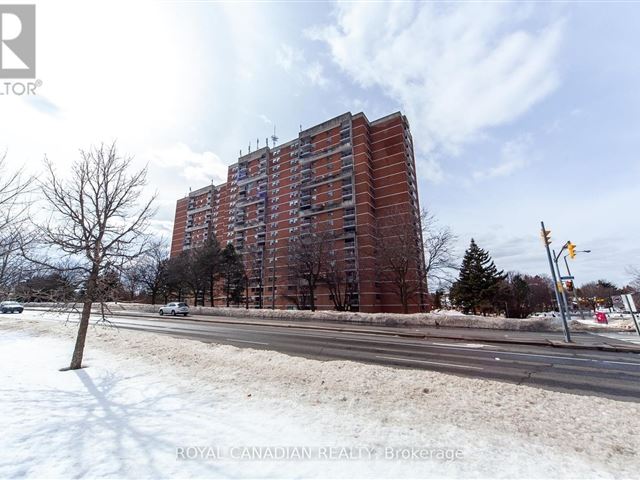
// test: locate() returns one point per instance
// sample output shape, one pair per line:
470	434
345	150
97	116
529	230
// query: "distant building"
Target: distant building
347	175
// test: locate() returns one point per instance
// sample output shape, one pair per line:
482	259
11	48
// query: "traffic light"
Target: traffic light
546	236
569	285
572	250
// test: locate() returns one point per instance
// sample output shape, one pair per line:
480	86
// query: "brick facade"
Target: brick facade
346	175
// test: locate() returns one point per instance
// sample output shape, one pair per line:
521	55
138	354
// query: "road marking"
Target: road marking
244	341
621	363
429	363
506	352
461	345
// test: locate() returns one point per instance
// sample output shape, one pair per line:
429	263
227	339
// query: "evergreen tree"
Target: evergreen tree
233	275
477	287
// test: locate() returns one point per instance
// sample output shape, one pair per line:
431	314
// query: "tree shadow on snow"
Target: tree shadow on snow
109	423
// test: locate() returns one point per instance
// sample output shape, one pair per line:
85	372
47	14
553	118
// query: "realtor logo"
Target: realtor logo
17	41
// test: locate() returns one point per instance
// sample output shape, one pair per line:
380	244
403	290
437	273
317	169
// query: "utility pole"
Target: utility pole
547	240
561	285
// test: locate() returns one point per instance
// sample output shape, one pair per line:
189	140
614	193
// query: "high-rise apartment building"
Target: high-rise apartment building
348	177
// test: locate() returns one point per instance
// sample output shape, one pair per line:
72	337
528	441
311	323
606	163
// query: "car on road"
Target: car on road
175	308
11	307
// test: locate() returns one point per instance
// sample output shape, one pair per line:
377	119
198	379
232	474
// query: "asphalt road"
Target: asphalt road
589	372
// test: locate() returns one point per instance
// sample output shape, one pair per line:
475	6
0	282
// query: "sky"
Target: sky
520	112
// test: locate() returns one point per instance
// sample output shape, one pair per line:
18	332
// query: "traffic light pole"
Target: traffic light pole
561	285
575	293
565	327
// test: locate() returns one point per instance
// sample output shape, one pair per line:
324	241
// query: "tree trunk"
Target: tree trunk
404	298
78	351
196	293
153	297
312	297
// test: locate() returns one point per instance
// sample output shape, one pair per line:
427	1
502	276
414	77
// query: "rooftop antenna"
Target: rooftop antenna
240	152
300	127
274	138
257	144
266	142
249	147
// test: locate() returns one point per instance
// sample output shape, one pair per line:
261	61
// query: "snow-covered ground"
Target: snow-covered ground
145	399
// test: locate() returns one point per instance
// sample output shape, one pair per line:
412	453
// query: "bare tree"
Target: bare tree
540	292
635	277
176	286
97	220
47	286
193	275
340	281
439	244
308	255
154	269
598	293
14	187
131	279
399	256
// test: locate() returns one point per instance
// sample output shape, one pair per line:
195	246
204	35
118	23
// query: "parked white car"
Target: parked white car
11	307
174	308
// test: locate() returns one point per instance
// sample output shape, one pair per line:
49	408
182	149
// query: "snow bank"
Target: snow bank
143	395
448	319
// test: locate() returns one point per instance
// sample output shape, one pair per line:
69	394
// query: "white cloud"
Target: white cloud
195	168
456	69
293	61
431	169
315	74
287	56
173	169
514	157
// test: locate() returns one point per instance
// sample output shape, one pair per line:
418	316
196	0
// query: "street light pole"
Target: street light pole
561	285
565	327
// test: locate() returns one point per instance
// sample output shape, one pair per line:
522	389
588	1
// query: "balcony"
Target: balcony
193	209
251	200
250	178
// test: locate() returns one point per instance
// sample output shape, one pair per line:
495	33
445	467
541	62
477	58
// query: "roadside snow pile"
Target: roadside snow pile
144	396
441	319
